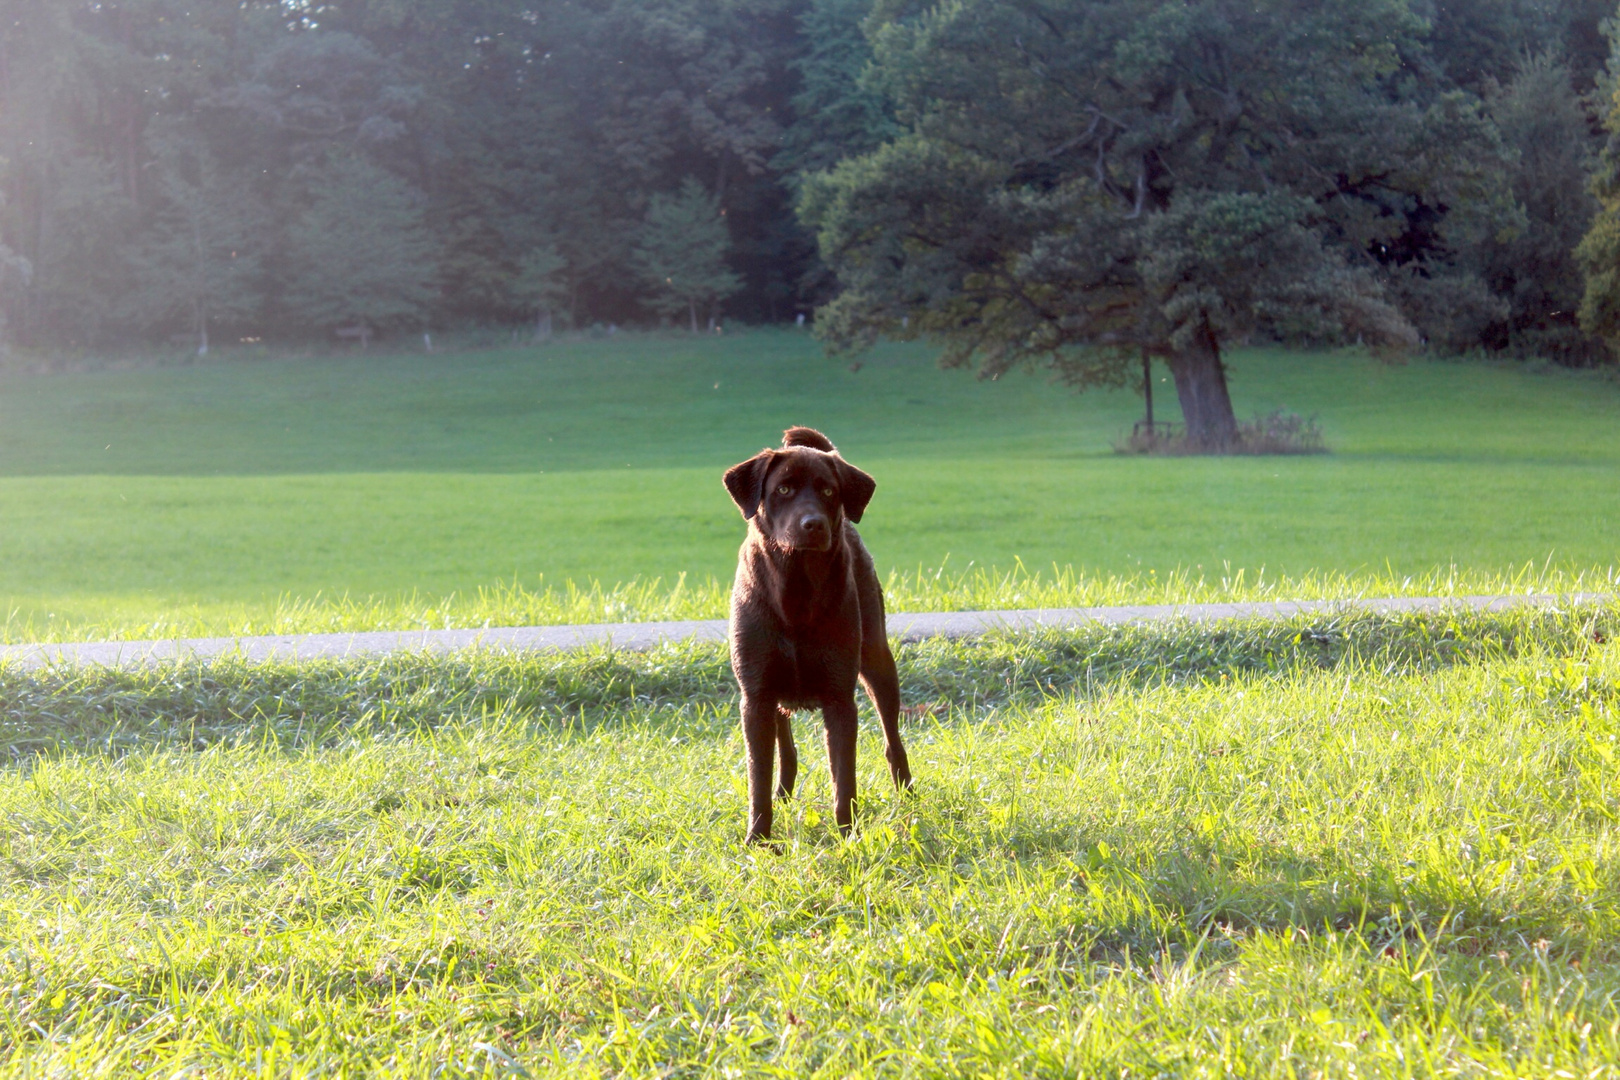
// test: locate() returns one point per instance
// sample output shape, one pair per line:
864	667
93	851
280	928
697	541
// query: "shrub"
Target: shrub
1276	432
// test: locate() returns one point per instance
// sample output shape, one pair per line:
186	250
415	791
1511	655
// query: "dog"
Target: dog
807	619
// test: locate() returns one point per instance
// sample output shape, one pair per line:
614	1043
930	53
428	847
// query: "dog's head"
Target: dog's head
799	496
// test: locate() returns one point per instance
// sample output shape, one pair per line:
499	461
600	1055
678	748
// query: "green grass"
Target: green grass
1363	847
391	491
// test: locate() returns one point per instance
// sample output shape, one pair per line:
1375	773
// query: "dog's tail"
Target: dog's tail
806	436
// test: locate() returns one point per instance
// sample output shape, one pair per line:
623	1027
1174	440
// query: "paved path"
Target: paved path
645	635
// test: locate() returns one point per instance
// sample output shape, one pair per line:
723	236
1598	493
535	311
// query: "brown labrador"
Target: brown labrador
807	619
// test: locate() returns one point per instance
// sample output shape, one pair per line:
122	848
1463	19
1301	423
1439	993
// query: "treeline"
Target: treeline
254	169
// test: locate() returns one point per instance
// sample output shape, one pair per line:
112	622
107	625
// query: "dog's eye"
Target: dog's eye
829	492
784	489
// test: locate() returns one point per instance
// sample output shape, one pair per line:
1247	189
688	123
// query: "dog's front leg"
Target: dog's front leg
842	726
759	734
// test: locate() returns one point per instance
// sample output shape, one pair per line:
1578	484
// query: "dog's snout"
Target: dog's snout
814	523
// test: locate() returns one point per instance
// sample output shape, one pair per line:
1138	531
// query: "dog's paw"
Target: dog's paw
764	842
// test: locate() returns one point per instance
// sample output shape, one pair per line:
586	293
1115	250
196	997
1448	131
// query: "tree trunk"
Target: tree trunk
199	303
1147	389
1205	405
691	309
130	137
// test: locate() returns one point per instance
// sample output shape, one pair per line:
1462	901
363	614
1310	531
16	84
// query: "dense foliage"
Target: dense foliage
1405	170
273	169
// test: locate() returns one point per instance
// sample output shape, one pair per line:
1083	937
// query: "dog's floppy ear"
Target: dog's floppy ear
856	489
746	482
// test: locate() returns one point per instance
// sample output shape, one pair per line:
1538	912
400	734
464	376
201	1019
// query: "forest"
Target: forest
1028	181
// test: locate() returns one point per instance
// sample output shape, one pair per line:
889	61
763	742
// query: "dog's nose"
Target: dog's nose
813	523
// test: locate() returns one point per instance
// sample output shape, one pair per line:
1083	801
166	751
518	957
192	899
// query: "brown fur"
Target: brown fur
807	619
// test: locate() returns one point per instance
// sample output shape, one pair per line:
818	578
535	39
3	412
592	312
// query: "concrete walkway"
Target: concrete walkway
645	635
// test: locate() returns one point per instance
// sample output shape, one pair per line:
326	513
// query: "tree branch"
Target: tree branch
1063	147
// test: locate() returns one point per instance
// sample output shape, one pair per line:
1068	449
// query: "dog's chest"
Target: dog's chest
802	669
799	671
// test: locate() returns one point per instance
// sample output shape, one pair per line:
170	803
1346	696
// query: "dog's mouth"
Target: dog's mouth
805	540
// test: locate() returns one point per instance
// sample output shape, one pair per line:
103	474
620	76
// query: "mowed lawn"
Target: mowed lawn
210	497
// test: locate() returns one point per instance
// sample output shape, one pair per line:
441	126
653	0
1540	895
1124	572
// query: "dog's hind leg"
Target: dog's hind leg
882	683
788	752
842	726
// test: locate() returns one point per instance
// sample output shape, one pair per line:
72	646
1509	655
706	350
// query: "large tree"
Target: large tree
1082	184
836	114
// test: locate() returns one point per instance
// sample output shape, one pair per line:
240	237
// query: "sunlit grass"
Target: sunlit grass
655	600
1348	846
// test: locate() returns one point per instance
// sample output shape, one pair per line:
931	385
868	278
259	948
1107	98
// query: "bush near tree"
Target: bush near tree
1534	268
541	285
681	253
201	257
1599	250
360	252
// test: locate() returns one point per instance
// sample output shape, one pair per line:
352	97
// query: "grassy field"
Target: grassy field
463	488
1375	847
1365	846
